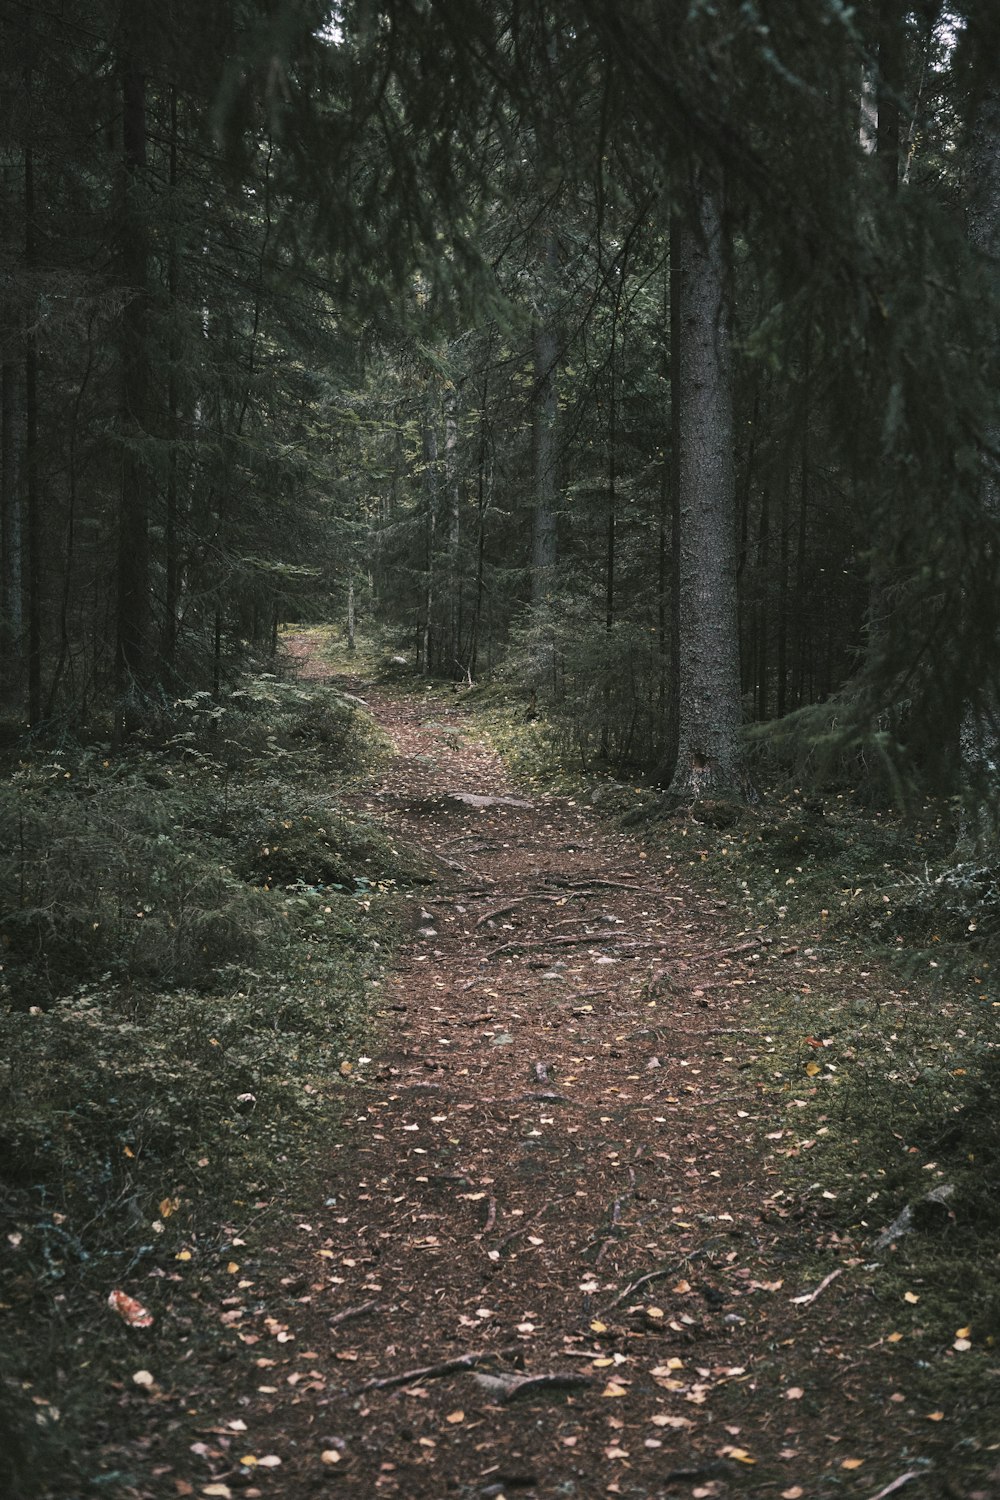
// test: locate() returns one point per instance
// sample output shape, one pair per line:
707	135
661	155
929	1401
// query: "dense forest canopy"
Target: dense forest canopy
645	353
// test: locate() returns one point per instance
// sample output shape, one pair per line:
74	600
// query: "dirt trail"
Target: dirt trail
555	1167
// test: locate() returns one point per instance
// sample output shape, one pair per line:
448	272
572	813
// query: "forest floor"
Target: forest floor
555	1251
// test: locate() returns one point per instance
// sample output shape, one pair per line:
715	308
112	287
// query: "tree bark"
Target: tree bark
133	597
710	755
33	505
979	835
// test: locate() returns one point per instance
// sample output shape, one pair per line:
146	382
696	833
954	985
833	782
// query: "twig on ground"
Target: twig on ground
808	1297
491	1216
596	939
897	1484
674	1270
434	1372
352	1312
510	1387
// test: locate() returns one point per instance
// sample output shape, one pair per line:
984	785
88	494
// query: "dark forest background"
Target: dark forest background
379	308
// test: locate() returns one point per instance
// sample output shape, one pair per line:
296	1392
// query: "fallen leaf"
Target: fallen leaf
962	1344
681	1288
794	1393
795	1493
654	1312
130	1310
614	1389
894	1338
812	1068
910	1297
143	1378
598	1327
269	1461
169	1206
662	1420
935	1416
329	1456
454	1417
740	1455
852	1463
963	1333
616	1453
221	1491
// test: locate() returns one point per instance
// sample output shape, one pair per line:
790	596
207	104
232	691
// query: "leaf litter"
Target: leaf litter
479	1238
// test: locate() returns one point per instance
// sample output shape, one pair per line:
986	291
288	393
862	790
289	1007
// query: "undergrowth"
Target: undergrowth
874	1047
191	935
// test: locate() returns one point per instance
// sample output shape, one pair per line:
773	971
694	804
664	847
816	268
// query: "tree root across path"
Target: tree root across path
436	1323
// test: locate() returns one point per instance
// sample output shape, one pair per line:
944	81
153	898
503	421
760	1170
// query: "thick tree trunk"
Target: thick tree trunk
430	453
710	756
980	730
33	498
171	538
454	533
11	617
543	531
133	597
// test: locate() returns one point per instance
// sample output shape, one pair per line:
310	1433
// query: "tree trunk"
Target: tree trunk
710	756
543	533
11	617
133	599
979	836
171	539
33	516
430	453
351	642
454	533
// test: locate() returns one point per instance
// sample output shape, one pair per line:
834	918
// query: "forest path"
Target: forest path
555	1171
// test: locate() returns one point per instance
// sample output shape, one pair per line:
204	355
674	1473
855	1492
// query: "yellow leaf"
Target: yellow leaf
681	1288
739	1454
910	1297
249	1460
169	1206
795	1493
232	1268
963	1333
129	1152
602	1364
894	1338
329	1456
614	1389
598	1327
454	1417
935	1416
852	1463
812	1068
346	1068
654	1312
183	1255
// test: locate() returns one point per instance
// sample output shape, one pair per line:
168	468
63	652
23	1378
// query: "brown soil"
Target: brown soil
553	1255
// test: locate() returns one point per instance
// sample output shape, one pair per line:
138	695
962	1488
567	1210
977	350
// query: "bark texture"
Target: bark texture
980	731
710	757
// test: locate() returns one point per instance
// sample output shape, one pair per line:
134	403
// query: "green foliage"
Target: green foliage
601	691
176	1007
